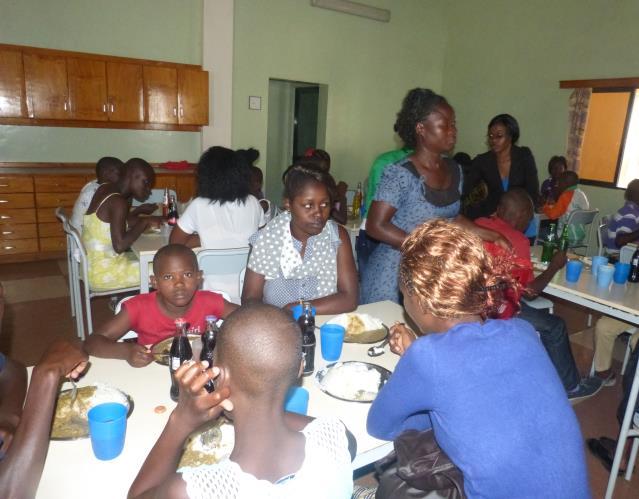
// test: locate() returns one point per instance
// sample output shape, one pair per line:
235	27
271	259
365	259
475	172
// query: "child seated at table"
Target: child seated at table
152	315
276	454
570	198
110	230
556	166
107	171
623	226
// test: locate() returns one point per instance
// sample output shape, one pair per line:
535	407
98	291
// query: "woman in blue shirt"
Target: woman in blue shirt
486	387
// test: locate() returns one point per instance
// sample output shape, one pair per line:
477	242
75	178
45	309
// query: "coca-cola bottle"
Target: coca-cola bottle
165	203
307	325
180	353
173	212
209	337
634	267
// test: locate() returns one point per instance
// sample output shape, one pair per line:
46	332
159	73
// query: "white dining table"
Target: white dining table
71	470
620	301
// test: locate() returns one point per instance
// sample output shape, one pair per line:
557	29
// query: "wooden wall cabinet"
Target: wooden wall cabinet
12	103
59	88
46	86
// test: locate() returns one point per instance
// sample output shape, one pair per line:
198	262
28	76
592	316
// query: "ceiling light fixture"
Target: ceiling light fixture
354	8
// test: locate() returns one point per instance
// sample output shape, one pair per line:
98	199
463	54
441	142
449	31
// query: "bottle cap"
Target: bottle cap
180	321
210	318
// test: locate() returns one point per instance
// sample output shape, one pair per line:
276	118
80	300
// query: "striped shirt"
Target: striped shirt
626	220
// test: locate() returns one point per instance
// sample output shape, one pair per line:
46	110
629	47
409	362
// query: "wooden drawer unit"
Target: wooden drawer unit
165	182
54	199
49	229
9	232
53	244
18	216
16	183
60	183
11	201
18	246
48	214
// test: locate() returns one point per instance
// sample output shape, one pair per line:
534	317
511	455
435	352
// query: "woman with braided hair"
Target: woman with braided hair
486	387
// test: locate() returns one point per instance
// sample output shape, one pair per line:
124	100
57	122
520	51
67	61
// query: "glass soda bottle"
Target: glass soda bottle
209	337
307	325
563	241
173	212
634	267
549	245
165	203
357	200
180	353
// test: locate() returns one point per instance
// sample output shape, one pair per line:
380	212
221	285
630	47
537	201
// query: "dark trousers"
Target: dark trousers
554	336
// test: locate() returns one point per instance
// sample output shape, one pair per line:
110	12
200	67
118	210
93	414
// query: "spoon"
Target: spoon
377	350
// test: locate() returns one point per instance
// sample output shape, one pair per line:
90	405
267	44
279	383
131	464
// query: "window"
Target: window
610	150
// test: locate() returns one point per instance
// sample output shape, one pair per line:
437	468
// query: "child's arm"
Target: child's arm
253	290
117	212
554	211
104	342
13	386
228	308
157	477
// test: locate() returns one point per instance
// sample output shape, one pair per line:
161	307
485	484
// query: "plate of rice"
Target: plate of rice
352	381
208	445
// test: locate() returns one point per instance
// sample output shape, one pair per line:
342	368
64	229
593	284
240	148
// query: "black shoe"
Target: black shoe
602	453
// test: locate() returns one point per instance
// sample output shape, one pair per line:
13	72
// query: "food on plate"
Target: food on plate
360	328
208	446
162	349
70	419
352	381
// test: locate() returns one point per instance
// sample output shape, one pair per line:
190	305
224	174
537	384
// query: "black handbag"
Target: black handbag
418	468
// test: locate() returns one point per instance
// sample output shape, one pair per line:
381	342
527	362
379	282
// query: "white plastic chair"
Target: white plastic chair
80	277
585	218
157	196
629	429
129	335
61	215
541	303
225	262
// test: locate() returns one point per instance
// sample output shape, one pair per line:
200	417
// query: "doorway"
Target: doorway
296	121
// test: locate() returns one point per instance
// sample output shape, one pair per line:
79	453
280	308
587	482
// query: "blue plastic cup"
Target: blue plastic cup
622	271
296	400
107	428
573	270
604	275
297	311
332	339
596	261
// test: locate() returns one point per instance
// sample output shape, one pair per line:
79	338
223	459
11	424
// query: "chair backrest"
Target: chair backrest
78	252
585	218
129	335
601	234
225	262
625	255
157	196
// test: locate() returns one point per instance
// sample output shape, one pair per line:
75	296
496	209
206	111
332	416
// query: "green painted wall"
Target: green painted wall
367	65
508	56
168	30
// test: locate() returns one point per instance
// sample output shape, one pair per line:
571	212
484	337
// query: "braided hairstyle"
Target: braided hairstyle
416	106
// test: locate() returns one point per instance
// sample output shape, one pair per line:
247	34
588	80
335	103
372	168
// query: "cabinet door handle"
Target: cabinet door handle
66	106
9	247
5	217
175	111
7	232
181	112
112	108
4	185
4	200
104	108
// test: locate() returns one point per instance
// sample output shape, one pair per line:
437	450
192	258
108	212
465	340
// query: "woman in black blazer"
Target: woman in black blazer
506	166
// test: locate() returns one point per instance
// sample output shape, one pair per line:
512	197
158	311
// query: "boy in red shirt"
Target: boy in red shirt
513	215
152	315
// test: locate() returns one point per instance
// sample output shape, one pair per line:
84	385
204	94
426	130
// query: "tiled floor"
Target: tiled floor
38	311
